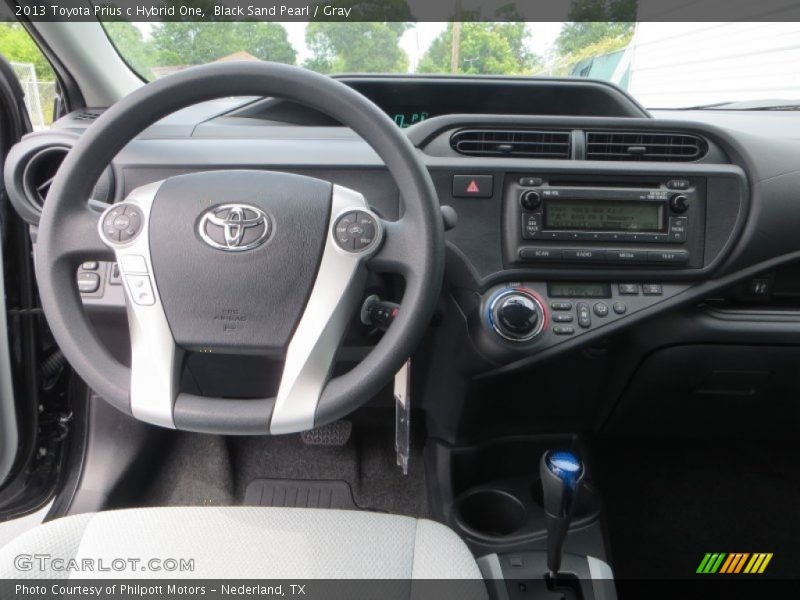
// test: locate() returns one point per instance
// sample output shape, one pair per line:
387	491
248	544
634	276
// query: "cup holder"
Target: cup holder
491	512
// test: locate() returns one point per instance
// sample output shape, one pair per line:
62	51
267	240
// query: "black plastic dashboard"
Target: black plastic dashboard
743	192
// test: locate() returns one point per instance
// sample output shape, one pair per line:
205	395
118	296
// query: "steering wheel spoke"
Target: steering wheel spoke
334	297
80	239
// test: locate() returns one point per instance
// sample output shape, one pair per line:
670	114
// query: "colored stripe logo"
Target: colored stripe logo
734	563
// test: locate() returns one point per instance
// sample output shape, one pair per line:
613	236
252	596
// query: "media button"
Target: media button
626	255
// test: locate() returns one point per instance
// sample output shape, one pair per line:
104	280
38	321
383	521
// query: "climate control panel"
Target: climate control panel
531	316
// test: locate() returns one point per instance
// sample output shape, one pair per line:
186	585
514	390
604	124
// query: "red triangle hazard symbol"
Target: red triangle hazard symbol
473	188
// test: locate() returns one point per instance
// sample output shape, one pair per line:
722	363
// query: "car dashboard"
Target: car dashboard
579	213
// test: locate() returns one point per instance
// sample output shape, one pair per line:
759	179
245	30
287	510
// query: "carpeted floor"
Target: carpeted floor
215	471
667	503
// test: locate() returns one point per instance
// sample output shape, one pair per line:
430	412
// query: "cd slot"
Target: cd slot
653	185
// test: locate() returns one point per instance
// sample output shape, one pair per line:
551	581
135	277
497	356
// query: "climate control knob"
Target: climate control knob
517	315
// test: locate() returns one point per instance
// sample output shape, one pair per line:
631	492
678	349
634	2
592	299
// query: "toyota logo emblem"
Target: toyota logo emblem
234	227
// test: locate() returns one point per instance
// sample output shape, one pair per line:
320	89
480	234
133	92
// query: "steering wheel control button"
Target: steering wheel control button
355	231
122	223
132	263
140	289
620	308
473	186
584	316
88	283
600	309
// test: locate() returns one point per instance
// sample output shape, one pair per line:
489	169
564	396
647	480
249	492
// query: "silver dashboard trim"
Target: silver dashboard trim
312	349
155	358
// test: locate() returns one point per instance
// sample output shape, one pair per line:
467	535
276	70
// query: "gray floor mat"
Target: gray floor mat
198	469
299	494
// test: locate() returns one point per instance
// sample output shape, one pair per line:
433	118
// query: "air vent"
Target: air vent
646	147
86	115
526	143
38	174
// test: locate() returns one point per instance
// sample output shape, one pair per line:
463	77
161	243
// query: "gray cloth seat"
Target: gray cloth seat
245	543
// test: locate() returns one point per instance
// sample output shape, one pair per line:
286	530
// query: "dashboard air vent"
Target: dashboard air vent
528	143
87	115
37	177
641	146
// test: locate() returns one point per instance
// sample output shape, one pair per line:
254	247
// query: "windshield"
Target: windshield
663	65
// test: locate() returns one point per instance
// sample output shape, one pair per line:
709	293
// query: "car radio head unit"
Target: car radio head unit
657	222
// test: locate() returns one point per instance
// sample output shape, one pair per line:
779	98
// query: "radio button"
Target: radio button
626	255
677	228
629	289
679	203
678	184
561	305
584	316
584	255
530	200
540	254
678	257
531	225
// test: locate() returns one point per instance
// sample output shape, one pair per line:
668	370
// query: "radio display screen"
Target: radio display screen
594	215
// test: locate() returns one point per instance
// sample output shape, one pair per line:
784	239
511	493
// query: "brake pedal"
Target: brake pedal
332	434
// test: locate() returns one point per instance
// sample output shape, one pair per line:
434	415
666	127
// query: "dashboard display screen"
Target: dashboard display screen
407	118
579	290
602	215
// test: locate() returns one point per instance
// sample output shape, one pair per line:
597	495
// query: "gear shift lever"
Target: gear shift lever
562	475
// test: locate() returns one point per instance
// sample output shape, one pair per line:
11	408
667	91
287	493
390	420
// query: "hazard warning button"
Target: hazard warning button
473	186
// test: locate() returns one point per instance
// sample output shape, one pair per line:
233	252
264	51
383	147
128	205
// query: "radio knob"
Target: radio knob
679	203
517	316
530	200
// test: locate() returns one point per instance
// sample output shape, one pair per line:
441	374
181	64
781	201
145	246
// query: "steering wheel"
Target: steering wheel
239	261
